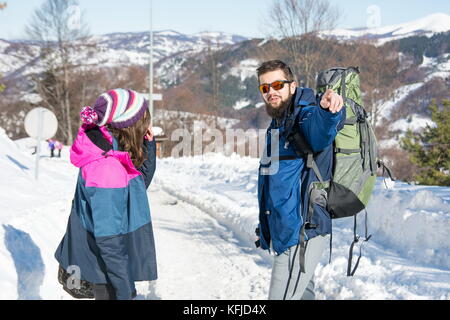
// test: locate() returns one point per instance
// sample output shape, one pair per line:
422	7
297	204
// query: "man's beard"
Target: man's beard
279	113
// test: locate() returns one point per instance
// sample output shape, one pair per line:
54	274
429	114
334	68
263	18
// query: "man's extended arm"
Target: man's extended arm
320	124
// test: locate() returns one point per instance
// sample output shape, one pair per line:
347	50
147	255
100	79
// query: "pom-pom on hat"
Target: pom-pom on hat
119	108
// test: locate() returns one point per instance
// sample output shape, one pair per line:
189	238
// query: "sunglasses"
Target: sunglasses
277	85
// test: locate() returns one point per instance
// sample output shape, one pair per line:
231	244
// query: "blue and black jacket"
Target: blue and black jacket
283	185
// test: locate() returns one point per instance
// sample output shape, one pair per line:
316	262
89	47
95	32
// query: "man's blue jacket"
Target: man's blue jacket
283	184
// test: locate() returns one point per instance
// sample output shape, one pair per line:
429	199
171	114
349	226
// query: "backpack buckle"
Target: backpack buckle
309	226
309	161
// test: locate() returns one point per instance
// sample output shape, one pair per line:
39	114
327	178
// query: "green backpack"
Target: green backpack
355	146
355	153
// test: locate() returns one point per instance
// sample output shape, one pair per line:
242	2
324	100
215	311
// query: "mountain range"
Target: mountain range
19	58
171	48
426	26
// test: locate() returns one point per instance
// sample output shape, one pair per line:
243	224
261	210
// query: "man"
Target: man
298	235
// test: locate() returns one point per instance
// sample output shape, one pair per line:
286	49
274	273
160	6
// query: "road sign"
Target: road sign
41	124
156	96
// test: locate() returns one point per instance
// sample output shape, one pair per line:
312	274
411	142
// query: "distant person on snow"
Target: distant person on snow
51	146
58	146
109	234
298	245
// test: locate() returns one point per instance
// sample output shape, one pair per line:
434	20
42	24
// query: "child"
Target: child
58	146
109	235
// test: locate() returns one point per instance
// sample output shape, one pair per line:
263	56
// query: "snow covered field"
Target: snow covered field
204	212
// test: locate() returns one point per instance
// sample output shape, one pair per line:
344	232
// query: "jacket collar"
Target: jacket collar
84	150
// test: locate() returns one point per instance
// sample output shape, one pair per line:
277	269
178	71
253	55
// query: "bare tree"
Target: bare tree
299	22
212	65
58	27
379	76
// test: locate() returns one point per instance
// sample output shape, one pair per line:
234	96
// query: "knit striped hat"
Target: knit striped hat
119	108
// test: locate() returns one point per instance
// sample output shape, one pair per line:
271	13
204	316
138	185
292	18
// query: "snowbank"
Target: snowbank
415	221
33	217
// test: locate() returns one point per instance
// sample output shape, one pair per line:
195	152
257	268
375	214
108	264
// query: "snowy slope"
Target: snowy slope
204	211
426	26
433	68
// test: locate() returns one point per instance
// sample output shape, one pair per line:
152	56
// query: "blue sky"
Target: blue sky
244	17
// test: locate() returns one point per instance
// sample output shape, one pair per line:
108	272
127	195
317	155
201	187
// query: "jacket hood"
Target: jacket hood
84	150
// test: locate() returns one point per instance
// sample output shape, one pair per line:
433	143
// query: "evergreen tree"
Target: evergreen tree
430	150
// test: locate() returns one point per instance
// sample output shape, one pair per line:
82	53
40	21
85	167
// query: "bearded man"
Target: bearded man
284	175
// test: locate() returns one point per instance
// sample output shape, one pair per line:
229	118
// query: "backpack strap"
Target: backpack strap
382	165
305	97
302	149
356	238
346	151
302	245
344	85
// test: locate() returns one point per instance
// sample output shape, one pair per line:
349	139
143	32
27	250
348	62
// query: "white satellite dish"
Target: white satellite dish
41	124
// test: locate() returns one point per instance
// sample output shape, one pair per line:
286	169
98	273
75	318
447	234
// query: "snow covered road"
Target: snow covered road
198	258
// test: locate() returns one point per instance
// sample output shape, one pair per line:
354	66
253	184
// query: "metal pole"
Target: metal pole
151	64
38	146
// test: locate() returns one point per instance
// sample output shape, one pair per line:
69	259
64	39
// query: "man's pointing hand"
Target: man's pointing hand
332	101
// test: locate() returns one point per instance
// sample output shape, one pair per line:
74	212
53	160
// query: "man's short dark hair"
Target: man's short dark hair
274	65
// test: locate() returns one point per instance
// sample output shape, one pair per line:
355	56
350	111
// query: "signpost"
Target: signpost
152	96
150	76
40	124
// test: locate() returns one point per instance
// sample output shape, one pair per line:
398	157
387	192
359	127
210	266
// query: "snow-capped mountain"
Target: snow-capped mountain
427	26
166	43
20	58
